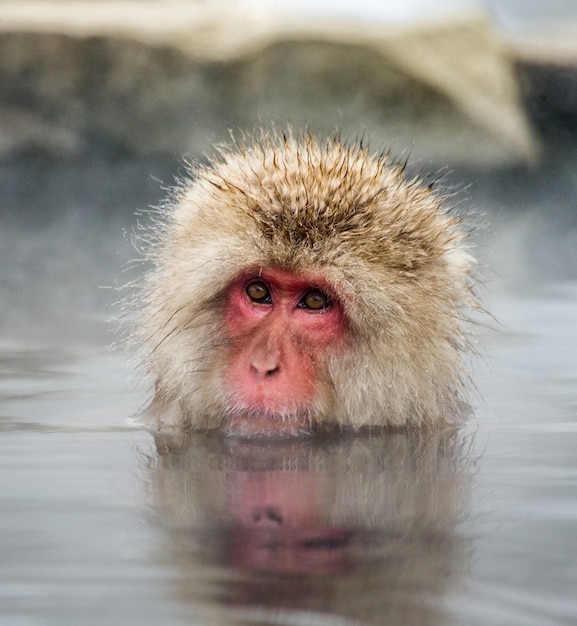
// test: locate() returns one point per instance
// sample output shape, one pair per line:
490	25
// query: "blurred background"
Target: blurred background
101	100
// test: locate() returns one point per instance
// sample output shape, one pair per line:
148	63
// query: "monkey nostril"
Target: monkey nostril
264	371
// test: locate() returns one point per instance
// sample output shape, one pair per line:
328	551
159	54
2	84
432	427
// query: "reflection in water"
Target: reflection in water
349	530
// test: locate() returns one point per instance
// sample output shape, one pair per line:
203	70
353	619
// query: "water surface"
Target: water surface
103	525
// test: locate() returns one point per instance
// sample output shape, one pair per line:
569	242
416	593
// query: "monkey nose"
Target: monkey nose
264	364
264	371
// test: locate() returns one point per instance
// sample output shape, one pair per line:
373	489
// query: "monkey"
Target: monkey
300	286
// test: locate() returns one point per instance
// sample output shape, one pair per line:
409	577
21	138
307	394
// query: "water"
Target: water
524	493
102	525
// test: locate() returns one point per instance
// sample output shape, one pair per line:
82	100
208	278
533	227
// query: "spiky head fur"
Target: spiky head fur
393	253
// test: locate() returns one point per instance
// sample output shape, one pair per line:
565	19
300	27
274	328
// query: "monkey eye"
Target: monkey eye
315	300
257	291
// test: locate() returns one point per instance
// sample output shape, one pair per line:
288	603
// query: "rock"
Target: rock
173	77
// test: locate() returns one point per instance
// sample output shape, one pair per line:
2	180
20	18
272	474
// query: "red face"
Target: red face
280	326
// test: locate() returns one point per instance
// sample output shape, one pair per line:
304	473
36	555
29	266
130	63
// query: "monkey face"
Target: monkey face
280	327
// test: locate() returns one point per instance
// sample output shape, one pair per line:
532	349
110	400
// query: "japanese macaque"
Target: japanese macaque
301	286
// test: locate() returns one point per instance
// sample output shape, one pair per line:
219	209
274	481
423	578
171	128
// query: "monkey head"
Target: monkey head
300	286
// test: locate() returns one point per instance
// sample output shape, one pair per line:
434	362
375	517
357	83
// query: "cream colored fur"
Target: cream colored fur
395	256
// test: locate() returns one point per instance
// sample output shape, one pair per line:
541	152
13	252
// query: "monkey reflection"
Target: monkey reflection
300	286
279	527
363	529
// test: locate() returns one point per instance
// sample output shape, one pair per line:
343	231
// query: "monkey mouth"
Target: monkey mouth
250	422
